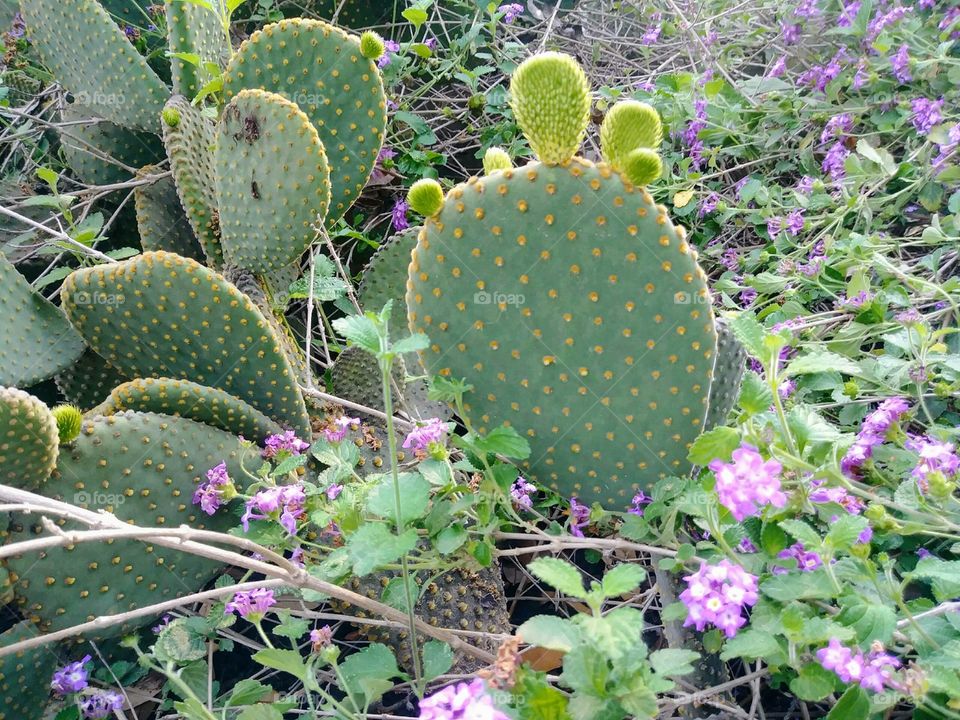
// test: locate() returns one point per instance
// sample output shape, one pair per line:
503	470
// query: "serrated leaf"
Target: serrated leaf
290	627
751	644
622	579
437	659
373	546
414	498
750	333
802	532
673	661
288	661
504	440
549	632
260	712
844	532
366	674
755	395
870	621
450	538
822	362
854	704
359	330
798	586
247	692
559	574
411	343
813	683
718	443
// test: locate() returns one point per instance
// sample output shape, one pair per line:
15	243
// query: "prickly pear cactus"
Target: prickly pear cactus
189	137
28	440
162	223
182	398
89	54
24	676
569	301
37	342
385	276
194	29
88	381
172	317
727	375
273	184
322	69
143	468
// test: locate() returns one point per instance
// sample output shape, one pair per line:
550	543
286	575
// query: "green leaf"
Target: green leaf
366	674
561	575
715	444
618	633
541	700
844	532
373	546
450	538
750	644
871	621
622	579
549	632
192	709
755	395
798	586
260	712
802	532
823	362
750	333
773	539
813	683
360	330
881	156
853	705
395	595
414	498
503	440
247	692
288	661
181	642
410	344
290	627
437	659
673	661
416	16
325	289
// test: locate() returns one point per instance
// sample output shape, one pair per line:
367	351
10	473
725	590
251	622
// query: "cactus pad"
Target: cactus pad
627	126
196	30
101	152
143	468
161	220
273	183
37	342
183	398
320	68
189	137
88	382
578	312
355	376
727	375
385	276
172	317
28	440
25	676
86	51
550	99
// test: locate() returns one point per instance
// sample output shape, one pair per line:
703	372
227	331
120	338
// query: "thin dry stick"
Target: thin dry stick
559	543
62	237
353	406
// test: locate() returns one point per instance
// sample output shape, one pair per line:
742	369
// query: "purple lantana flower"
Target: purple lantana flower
461	701
71	678
749	483
422	437
717	595
251	605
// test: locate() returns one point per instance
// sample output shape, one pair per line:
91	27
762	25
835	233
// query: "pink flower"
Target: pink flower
462	701
71	678
251	604
716	595
420	438
284	442
900	64
341	426
321	638
926	114
520	491
579	517
286	501
398	216
871	671
935	457
217	490
748	484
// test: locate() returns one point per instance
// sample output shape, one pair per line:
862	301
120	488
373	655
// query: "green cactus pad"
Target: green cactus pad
426	197
101	152
350	13
385	276
727	375
190	145
143	468
86	51
162	223
627	126
196	30
37	342
578	312
87	382
273	183
355	376
28	440
550	99
321	69
25	676
202	404
175	318
642	166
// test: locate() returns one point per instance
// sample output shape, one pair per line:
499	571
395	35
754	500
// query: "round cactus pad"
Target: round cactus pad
578	312
28	440
144	468
273	185
182	398
25	676
37	342
168	316
88	53
321	69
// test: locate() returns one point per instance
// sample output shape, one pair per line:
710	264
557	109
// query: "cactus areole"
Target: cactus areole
571	303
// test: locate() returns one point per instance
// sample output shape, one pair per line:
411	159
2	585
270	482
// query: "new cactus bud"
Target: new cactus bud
69	419
371	45
550	98
494	159
426	197
627	126
171	117
643	166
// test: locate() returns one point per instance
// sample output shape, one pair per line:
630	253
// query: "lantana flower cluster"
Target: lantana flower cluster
461	701
718	595
749	483
873	432
872	671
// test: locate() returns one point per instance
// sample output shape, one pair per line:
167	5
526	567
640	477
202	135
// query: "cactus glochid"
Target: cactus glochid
565	296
